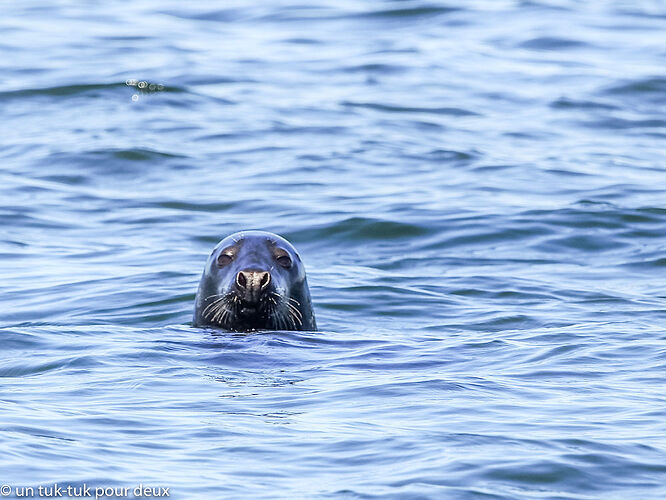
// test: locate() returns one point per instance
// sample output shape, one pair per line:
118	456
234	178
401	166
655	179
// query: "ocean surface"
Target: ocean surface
477	189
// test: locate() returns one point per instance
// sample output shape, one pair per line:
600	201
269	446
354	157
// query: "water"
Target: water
477	191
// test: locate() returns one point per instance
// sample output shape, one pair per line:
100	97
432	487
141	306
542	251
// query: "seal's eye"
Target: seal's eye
224	259
284	261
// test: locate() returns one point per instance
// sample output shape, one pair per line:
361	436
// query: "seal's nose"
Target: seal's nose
252	283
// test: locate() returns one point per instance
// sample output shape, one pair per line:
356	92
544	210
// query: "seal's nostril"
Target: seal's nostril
264	279
241	280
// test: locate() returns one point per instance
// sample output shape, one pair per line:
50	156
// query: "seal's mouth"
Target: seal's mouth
253	314
272	311
248	310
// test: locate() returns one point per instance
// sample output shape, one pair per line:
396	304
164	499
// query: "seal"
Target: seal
254	280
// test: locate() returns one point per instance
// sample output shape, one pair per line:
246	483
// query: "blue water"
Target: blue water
477	190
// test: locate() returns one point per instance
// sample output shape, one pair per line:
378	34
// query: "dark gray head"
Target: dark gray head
254	280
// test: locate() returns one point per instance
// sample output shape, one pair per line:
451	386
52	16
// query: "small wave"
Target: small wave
647	265
216	15
567	103
582	242
193	206
450	155
111	160
92	90
361	228
64	90
651	89
451	111
386	69
624	123
136	154
533	4
551	43
425	11
595	214
25	368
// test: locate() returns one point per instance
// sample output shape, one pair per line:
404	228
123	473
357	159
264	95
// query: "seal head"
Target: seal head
254	280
